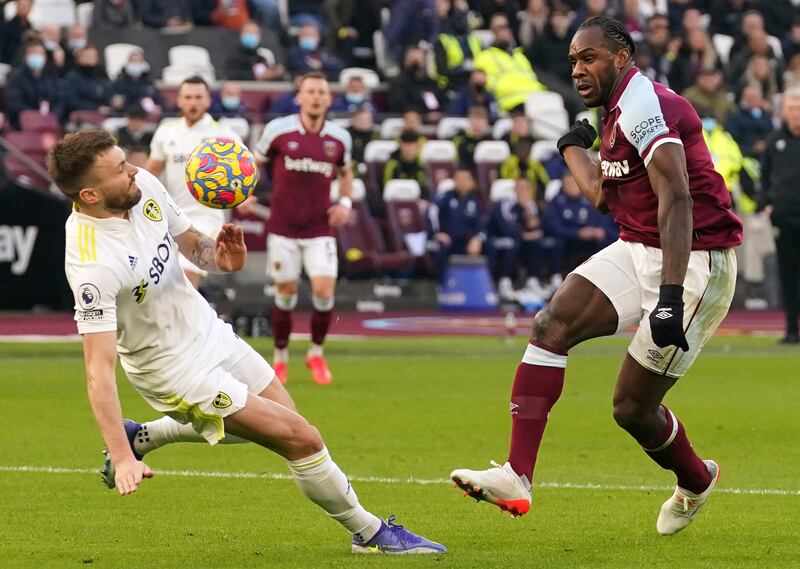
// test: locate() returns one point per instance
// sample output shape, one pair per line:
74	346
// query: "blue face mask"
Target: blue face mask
35	61
355	98
756	113
231	103
136	69
76	44
309	43
50	45
709	124
250	41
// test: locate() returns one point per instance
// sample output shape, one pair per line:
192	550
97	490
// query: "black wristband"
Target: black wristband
670	293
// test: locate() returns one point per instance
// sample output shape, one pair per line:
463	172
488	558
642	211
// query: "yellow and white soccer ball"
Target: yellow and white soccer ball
221	173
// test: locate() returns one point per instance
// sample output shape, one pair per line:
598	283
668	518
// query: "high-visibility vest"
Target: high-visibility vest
509	76
454	54
729	162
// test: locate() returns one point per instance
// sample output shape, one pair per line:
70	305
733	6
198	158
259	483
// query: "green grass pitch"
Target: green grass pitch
400	416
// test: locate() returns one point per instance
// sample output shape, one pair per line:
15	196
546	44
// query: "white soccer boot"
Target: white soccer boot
679	511
500	486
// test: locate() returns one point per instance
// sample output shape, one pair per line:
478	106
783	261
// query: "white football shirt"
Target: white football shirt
125	276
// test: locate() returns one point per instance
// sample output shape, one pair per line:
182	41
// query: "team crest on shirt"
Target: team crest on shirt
613	136
292	145
152	211
222	401
329	147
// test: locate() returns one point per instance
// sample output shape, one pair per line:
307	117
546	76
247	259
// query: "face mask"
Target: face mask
355	98
756	113
76	44
50	45
250	41
709	124
478	87
231	103
504	45
309	43
35	61
136	69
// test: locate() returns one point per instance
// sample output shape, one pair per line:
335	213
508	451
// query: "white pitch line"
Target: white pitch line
386	480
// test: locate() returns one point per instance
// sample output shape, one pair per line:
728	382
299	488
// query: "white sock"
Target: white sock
166	430
325	484
280	355
314	350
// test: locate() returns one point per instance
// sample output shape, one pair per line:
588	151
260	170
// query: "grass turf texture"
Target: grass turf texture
403	408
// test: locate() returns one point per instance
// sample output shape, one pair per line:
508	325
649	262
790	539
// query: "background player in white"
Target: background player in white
304	154
133	300
172	143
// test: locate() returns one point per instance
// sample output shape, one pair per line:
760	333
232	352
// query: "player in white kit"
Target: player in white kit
172	143
133	300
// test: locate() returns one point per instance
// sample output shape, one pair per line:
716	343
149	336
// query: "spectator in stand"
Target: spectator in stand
50	34
478	130
113	14
201	11
32	86
743	63
509	75
362	131
454	51
695	54
474	94
764	73
580	229
726	16
691	19
791	77
135	137
520	128
310	56
456	221
405	164
134	86
414	88
351	25
791	43
250	61
514	234
228	102
708	92
532	22
410	22
780	170
355	96
662	49
303	12
725	153
751	23
286	103
751	124
165	13
77	38
634	19
588	9
412	120
549	52
230	14
508	9
520	165
86	88
13	32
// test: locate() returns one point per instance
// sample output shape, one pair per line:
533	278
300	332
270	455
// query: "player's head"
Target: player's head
91	170
314	95
600	52
194	98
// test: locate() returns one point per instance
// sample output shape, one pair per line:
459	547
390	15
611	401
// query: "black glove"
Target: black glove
581	134
666	320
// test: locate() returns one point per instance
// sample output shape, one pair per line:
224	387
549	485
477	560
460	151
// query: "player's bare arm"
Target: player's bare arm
227	254
100	355
339	212
155	167
670	182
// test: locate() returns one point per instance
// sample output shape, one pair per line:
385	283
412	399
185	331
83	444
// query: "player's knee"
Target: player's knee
286	302
549	330
286	289
322	303
630	414
308	441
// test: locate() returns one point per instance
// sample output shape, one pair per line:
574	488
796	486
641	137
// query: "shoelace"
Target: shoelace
681	504
390	522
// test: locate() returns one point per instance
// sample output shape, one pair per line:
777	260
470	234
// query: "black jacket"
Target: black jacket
26	91
134	90
85	90
780	172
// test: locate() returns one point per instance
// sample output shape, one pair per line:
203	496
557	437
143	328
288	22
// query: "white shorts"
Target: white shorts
219	392
287	257
629	274
210	225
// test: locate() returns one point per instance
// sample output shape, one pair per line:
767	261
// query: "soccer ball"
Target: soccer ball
221	173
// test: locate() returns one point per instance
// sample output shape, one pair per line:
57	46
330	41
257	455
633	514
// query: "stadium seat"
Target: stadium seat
359	191
116	56
362	248
5	69
343	122
501	127
777	47
543	149
552	189
239	125
376	154
173	75
391	128
32	141
488	156
79	119
439	157
551	124
722	45
23	174
382	60
445	186
10	10
58	12
406	226
502	189
542	102
485	36
84	13
448	127
371	79
189	56
113	124
34	121
401	190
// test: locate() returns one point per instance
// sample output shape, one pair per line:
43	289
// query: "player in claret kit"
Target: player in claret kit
304	154
133	300
672	272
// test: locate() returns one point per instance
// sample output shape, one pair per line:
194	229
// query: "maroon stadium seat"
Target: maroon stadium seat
362	248
34	121
32	141
439	157
24	175
376	154
405	219
87	118
488	156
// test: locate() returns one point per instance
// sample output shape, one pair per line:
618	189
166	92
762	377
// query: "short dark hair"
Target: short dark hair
72	157
409	136
194	80
476	110
614	32
311	75
136	111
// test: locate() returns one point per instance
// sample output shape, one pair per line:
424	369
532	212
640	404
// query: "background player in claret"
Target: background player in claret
172	143
304	154
673	272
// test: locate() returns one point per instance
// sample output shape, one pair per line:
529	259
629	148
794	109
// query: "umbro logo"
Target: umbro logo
133	260
664	313
513	408
655	355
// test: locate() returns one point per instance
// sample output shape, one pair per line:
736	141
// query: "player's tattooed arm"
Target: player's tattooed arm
199	249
